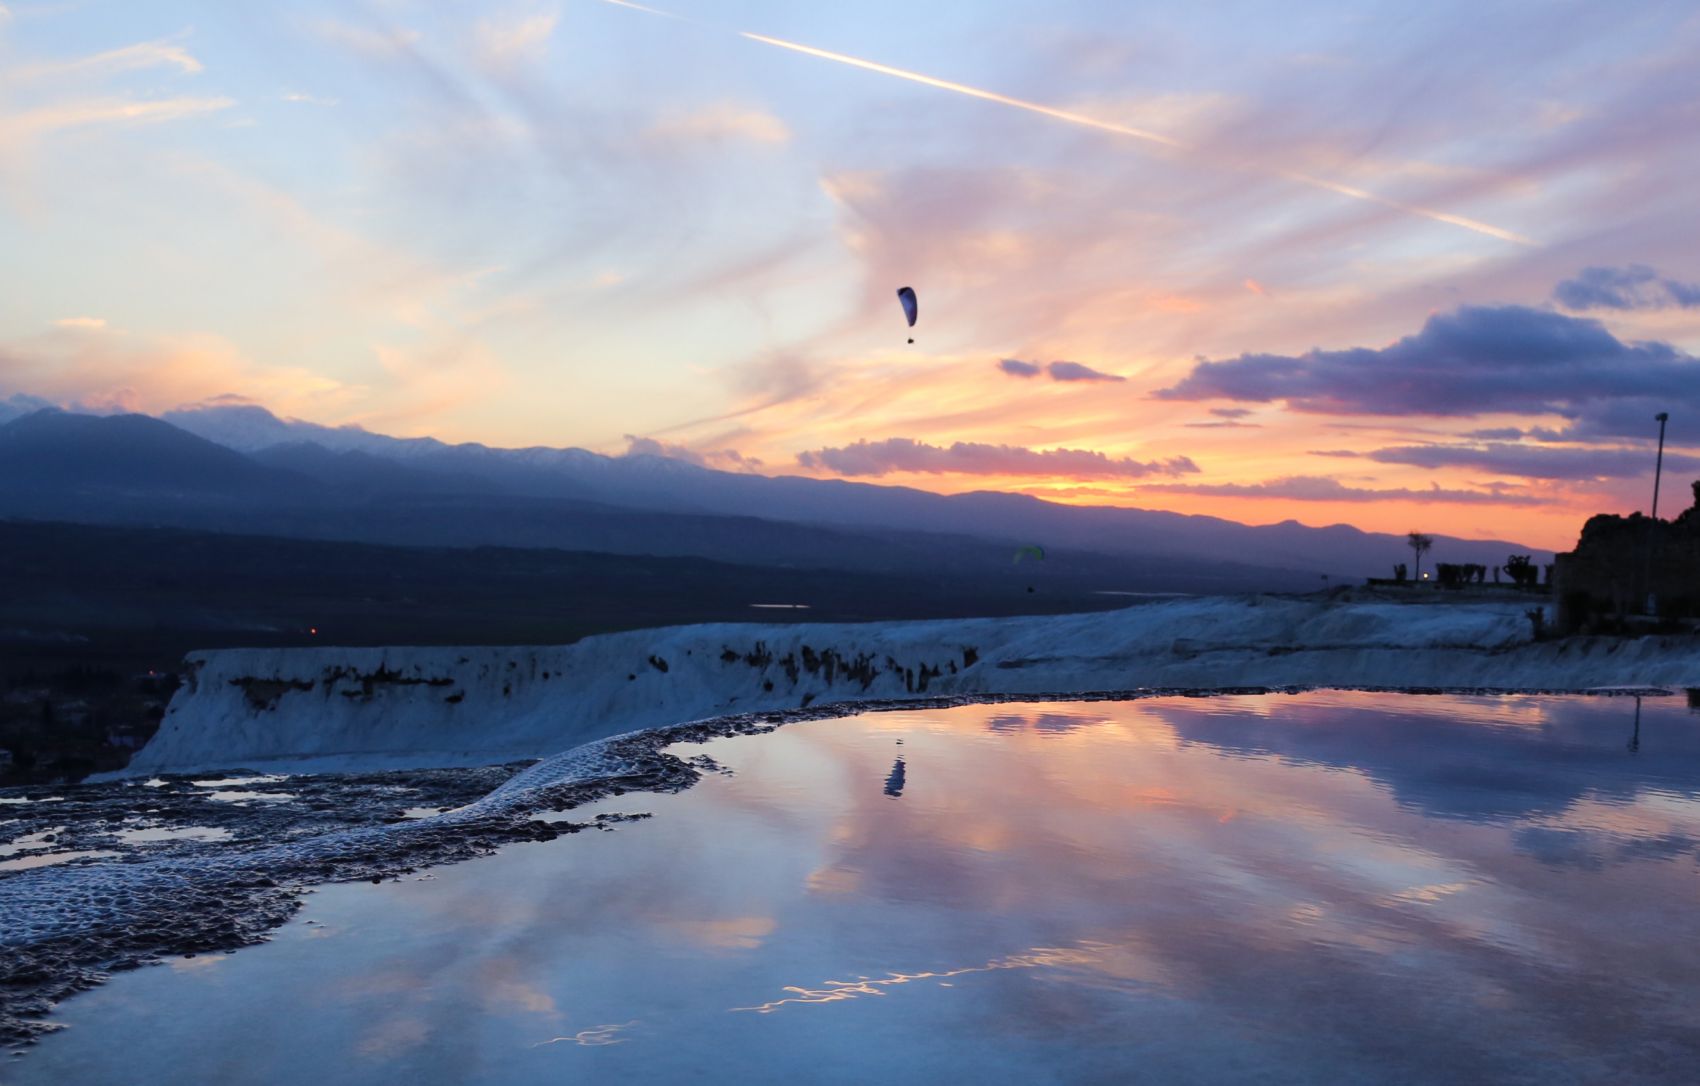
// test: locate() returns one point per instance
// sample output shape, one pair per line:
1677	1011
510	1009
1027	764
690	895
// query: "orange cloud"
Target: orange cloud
92	365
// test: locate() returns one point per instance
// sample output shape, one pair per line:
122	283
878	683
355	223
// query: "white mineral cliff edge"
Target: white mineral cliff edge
330	709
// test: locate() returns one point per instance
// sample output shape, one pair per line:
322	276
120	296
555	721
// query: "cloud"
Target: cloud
1257	288
306	99
1475	360
142	55
723	459
1075	371
1059	371
649	446
47	120
902	454
762	384
1320	488
121	371
1176	147
1634	287
1230	412
88	323
428	378
500	44
1533	461
777	378
720	121
365	41
19	404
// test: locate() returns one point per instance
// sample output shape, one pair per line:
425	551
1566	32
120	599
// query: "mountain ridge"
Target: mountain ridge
343	482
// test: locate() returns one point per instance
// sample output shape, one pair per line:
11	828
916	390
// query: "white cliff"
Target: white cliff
329	708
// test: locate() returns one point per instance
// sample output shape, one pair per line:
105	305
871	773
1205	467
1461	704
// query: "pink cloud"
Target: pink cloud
901	454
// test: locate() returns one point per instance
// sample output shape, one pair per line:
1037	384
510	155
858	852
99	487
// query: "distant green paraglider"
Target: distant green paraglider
1032	550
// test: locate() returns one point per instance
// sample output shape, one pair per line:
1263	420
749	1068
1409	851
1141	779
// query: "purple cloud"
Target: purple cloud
1634	287
1535	461
1475	360
1227	418
1058	371
974	458
1074	371
724	459
1320	488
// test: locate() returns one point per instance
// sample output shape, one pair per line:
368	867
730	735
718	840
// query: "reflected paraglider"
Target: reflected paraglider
897	779
911	308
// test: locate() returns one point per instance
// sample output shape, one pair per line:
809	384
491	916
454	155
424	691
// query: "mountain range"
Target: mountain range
239	468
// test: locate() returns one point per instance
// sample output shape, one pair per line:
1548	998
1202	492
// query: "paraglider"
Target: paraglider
1032	550
911	309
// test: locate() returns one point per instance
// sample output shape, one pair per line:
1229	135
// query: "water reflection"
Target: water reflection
595	1036
1469	758
836	991
1043	722
895	780
1323	887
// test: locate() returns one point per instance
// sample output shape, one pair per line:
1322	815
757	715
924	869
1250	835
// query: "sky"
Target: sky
1409	267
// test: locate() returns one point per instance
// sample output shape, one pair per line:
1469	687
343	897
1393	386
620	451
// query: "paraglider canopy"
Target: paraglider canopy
911	308
1032	550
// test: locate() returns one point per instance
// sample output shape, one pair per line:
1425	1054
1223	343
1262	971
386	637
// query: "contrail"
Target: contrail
1109	126
650	11
962	88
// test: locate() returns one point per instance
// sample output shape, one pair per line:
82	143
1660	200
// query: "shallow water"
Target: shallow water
50	859
1321	887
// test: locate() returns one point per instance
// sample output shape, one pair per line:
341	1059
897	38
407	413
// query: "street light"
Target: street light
1647	554
1659	464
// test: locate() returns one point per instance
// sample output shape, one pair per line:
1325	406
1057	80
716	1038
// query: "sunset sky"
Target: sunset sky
1401	266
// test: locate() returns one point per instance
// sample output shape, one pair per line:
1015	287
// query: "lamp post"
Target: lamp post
1652	526
1659	464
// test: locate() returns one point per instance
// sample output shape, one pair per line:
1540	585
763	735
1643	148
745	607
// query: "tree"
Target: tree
1522	570
1419	544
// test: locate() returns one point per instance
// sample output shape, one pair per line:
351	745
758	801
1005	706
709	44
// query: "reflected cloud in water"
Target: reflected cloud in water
594	1037
1042	723
1321	887
836	991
